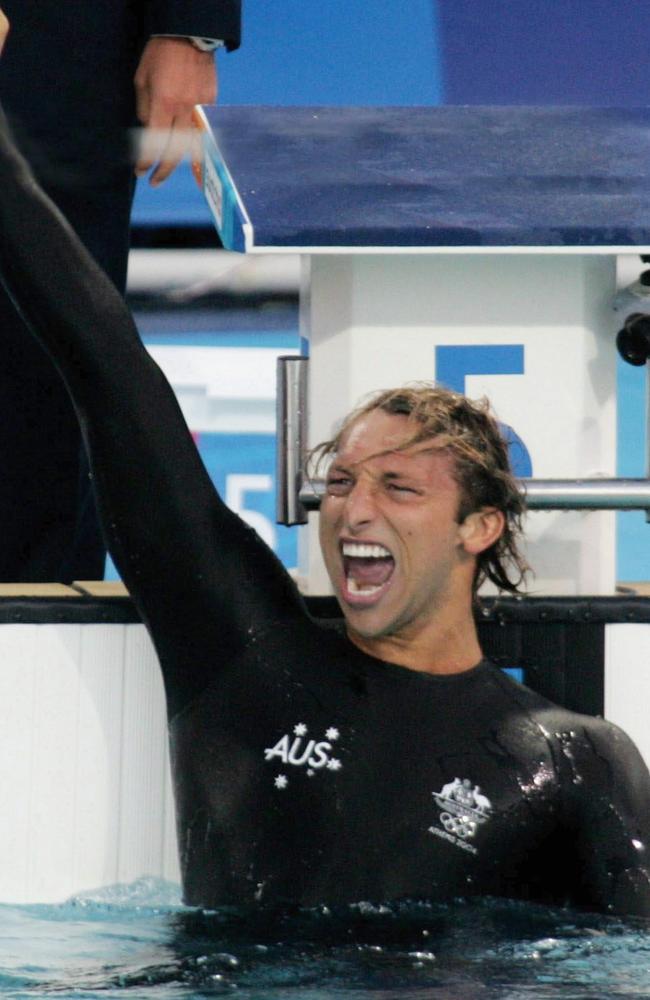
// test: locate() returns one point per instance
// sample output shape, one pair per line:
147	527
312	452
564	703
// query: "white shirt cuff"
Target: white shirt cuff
203	44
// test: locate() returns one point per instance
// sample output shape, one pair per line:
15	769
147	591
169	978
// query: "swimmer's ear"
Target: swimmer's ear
481	529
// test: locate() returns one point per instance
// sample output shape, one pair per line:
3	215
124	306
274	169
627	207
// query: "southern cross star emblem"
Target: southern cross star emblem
300	750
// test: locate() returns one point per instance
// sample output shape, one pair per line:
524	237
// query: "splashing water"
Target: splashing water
138	942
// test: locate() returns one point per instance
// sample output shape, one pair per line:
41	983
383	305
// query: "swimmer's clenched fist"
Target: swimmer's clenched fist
4	29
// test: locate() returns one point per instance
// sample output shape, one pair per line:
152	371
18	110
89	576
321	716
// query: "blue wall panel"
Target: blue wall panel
592	52
301	52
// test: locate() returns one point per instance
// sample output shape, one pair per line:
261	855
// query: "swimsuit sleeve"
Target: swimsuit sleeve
609	793
192	566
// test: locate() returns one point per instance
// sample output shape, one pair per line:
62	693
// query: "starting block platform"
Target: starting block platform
475	247
427	178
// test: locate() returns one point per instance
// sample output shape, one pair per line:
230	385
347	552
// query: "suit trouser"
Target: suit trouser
48	525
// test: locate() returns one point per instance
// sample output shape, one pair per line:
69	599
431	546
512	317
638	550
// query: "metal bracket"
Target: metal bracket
291	433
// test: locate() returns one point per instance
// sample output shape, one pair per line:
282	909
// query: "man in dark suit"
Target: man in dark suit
74	77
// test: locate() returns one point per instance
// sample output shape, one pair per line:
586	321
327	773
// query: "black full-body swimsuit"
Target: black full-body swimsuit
305	770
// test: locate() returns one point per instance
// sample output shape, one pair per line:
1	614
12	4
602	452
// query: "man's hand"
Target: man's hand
172	77
4	29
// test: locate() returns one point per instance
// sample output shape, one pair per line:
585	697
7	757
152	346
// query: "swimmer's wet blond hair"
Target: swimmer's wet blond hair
468	431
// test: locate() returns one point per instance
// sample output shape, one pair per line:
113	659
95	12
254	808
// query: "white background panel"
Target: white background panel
17	678
99	749
627	681
53	785
84	766
223	389
144	761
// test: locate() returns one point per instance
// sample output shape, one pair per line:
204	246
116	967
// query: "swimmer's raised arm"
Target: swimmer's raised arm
187	560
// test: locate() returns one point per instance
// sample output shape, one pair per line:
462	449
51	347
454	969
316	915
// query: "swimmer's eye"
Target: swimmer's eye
338	486
401	489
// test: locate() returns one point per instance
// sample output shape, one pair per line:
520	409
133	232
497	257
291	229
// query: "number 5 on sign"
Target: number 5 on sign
454	362
237	486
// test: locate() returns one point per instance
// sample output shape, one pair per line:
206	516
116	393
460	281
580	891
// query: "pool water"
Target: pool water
138	942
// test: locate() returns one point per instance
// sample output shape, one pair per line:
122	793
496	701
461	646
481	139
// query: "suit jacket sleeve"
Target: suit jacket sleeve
205	18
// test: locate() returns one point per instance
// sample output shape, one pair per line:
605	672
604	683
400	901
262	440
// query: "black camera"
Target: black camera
633	340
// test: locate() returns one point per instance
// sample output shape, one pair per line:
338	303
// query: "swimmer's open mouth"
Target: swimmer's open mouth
367	569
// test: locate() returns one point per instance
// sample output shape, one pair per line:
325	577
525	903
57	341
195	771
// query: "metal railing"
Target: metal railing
297	494
545	494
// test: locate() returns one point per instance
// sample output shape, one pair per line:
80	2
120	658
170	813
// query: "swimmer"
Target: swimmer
380	759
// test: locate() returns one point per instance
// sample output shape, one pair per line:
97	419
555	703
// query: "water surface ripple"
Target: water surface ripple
138	942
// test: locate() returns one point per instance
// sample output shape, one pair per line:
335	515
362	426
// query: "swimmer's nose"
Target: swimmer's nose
360	506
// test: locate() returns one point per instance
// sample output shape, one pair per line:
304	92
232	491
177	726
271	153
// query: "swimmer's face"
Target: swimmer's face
396	554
